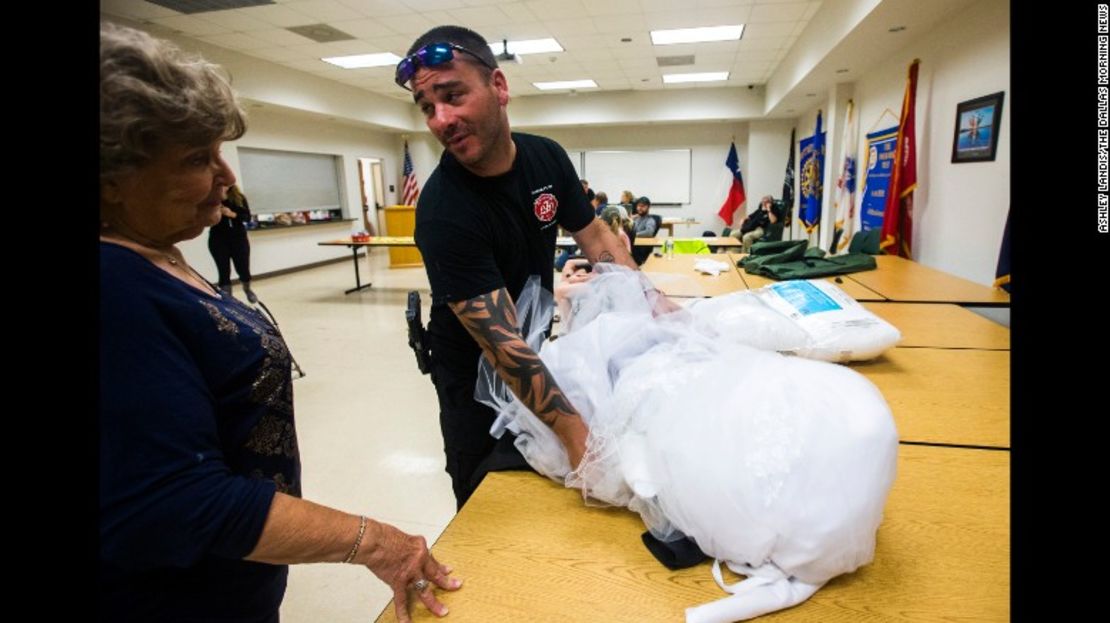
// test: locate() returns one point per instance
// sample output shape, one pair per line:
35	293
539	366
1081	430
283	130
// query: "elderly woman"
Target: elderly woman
200	507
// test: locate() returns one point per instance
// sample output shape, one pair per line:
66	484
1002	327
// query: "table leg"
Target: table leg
358	282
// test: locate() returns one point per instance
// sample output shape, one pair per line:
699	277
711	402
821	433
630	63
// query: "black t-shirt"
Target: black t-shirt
479	234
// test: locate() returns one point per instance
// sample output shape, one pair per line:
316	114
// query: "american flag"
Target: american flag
411	190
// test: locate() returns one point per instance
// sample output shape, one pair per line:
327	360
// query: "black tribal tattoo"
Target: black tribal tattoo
491	321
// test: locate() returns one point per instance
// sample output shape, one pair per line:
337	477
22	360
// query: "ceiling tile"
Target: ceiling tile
135	10
276	15
420	6
767	43
377	8
323	10
627	25
769	29
479	17
412	24
518	12
547	10
278	54
654	6
778	12
364	28
238	41
609	8
237	20
191	25
280	36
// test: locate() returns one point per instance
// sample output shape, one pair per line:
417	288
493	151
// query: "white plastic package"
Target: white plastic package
812	319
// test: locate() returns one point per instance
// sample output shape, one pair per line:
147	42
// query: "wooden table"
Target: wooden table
669	222
899	279
944	396
529	550
373	241
677	277
853	289
942	325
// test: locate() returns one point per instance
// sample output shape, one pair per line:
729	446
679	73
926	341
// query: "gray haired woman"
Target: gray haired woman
200	507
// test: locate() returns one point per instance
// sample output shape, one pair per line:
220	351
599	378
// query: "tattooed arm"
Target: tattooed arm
491	320
599	244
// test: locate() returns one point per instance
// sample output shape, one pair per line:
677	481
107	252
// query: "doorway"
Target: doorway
371	189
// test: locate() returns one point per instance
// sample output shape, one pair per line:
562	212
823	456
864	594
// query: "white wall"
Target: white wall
270	128
636	107
959	209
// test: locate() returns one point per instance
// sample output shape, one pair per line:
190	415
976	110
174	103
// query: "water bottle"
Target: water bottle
668	249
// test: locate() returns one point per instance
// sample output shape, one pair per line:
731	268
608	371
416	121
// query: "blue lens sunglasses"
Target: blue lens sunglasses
431	55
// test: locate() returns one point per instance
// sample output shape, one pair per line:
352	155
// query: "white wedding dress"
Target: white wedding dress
778	466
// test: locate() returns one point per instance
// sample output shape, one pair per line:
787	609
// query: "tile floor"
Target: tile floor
367	421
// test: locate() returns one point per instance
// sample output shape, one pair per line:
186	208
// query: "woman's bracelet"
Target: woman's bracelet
358	540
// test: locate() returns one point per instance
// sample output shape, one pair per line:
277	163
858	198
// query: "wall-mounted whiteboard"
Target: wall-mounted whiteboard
663	175
288	181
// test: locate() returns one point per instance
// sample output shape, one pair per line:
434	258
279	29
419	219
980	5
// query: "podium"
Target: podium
401	221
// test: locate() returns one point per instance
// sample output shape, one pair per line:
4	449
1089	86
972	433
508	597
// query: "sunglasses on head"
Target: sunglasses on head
431	55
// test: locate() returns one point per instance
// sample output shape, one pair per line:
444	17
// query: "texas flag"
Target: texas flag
736	196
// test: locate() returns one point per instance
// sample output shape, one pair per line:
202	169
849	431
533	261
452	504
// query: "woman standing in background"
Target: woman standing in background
227	241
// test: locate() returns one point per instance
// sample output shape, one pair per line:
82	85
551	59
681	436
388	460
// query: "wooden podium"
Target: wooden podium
401	221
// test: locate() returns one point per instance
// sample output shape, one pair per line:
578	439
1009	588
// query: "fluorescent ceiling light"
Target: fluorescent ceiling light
528	46
364	60
697	35
711	76
565	84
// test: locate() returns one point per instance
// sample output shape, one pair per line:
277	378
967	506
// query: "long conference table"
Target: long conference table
530	550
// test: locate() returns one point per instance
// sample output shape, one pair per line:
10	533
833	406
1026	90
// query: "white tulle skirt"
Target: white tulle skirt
776	465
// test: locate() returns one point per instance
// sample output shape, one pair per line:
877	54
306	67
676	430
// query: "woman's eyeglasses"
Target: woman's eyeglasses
431	55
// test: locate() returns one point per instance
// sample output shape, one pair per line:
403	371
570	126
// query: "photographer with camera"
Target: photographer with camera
758	223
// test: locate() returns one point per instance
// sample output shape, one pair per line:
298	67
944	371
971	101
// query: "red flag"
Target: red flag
736	196
897	232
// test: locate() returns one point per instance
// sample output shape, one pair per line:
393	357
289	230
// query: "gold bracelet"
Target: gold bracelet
358	539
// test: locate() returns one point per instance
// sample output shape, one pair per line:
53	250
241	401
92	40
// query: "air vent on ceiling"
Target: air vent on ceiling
320	33
204	6
675	61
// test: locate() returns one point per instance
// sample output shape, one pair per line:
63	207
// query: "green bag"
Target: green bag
792	259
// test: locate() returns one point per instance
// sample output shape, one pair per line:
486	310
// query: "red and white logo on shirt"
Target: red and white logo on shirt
545	206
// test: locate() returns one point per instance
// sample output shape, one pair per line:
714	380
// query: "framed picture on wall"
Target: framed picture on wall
977	125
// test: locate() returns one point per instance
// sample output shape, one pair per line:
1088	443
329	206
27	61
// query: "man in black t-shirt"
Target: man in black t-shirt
486	220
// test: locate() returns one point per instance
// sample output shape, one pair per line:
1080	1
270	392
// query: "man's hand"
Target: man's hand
572	431
660	303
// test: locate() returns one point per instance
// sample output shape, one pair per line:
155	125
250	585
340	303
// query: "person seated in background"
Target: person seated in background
628	202
646	225
756	224
601	201
618	223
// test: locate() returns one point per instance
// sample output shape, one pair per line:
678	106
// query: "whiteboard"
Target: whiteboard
663	175
286	181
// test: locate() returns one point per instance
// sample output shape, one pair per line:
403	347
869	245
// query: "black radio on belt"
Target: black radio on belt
417	335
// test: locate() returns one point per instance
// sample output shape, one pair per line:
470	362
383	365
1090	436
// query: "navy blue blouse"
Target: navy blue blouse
196	435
